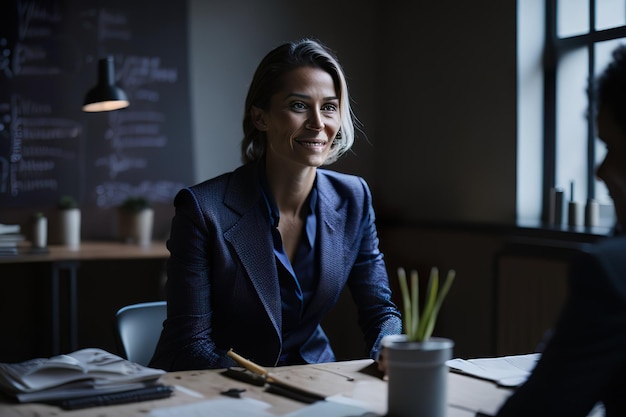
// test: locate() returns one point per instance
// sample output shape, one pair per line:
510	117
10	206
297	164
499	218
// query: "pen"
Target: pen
278	384
248	364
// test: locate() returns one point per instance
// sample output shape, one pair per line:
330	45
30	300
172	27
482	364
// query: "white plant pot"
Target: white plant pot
40	233
69	227
418	376
135	227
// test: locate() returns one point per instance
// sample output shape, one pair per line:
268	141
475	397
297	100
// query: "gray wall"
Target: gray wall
434	84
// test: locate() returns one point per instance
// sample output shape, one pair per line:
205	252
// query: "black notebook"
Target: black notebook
153	392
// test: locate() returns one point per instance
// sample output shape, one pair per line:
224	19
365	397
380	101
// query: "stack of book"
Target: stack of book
10	237
84	378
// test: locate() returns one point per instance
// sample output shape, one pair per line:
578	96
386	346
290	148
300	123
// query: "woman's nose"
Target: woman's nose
315	122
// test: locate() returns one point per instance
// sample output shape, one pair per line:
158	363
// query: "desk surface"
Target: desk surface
90	251
465	394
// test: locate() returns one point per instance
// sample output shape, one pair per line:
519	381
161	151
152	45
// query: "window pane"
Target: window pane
572	17
603	53
571	125
530	44
610	13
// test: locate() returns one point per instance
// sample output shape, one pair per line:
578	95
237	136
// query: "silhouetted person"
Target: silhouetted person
584	361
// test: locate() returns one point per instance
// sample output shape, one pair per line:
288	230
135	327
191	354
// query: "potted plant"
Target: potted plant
135	218
68	222
416	368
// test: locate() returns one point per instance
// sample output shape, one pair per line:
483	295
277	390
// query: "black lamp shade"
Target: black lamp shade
105	96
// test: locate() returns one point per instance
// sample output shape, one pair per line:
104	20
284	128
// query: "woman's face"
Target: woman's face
302	119
613	169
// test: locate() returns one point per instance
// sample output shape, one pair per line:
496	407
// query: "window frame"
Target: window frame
554	49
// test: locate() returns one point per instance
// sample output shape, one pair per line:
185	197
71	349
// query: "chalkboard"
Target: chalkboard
49	147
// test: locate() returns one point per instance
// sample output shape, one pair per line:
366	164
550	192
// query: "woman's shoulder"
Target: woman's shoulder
342	185
238	189
242	174
340	178
212	183
203	194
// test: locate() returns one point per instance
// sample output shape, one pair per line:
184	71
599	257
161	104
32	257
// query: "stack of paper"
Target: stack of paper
9	238
9	229
86	372
506	371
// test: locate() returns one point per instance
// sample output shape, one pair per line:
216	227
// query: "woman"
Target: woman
258	256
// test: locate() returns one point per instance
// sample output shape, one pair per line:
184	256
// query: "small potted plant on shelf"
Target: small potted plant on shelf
135	218
68	222
416	368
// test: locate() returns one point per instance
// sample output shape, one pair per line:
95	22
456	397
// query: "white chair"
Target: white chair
138	329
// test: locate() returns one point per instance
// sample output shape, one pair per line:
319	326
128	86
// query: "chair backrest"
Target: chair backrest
138	328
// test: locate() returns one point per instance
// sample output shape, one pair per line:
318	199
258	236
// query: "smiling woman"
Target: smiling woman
260	255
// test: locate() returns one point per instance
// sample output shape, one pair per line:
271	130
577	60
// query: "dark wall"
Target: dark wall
446	126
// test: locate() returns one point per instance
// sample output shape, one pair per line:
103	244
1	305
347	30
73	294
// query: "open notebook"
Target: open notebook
85	372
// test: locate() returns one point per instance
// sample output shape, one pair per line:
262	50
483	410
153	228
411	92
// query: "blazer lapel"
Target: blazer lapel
331	218
252	242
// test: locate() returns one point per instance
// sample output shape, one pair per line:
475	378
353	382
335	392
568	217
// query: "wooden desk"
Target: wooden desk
465	394
62	259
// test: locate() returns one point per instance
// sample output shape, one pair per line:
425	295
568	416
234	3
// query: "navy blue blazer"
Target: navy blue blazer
584	361
223	288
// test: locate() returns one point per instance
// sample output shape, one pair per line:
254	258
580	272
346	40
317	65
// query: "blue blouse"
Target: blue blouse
298	281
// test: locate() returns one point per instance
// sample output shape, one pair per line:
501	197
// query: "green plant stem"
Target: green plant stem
440	297
406	300
420	327
431	296
415	319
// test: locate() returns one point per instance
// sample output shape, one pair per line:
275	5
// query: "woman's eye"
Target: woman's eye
298	106
329	107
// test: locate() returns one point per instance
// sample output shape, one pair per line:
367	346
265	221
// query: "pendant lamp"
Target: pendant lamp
105	96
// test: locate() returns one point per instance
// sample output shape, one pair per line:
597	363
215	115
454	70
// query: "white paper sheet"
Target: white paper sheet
507	371
333	407
217	407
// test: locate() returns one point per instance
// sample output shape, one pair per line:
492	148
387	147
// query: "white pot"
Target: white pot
135	227
40	233
69	227
418	376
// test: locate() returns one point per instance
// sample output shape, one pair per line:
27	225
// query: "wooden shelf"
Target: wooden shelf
90	251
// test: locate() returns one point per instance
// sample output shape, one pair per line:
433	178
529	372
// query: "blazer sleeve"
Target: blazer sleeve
186	341
369	282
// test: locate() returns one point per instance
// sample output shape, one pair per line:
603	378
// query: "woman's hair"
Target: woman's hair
267	81
611	86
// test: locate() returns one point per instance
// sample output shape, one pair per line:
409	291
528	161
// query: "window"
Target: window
555	100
